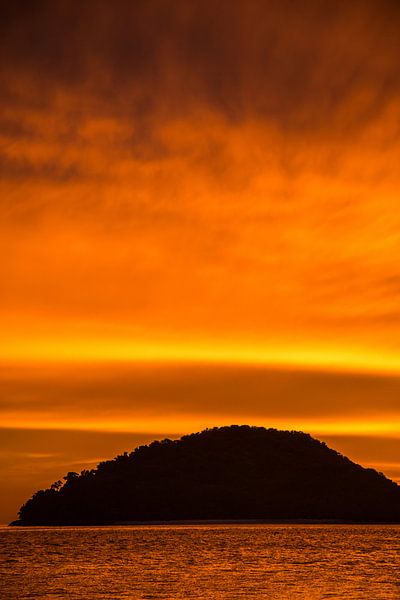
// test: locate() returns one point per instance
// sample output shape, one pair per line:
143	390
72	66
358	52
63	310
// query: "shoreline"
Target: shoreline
208	522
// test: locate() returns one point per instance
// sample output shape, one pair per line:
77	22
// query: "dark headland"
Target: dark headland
236	473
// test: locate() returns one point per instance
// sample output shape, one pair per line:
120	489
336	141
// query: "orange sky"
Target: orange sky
199	224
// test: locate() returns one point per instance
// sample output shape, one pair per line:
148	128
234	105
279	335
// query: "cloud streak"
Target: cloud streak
126	397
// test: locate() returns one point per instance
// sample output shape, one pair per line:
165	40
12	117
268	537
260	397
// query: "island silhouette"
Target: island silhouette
231	473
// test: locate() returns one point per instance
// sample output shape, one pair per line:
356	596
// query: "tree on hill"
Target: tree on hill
236	472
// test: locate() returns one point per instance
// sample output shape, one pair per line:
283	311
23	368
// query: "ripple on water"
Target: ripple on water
206	562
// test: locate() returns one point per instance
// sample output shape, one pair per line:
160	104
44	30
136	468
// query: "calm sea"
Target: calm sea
210	562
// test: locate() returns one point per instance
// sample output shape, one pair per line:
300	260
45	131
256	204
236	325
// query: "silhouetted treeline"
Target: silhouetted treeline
237	472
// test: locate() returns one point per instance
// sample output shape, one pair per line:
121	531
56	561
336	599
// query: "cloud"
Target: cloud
21	170
204	175
305	67
129	397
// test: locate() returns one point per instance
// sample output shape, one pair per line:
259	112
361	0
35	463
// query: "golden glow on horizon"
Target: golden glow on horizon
171	424
100	350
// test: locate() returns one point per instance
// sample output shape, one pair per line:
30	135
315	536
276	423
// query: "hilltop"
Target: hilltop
226	473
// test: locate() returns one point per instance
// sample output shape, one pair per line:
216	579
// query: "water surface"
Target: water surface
212	562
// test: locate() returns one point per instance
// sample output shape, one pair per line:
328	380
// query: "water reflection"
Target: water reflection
207	562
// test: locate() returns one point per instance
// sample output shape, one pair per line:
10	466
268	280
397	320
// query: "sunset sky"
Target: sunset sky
199	225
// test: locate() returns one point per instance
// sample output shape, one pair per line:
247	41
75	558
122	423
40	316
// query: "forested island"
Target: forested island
226	473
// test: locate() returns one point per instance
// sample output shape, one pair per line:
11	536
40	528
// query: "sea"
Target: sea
211	562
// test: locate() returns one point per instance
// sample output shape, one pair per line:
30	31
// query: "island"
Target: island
232	473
